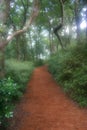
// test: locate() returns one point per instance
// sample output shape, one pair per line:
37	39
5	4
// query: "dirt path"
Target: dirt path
45	107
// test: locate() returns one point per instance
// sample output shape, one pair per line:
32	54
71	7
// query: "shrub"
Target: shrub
11	89
19	71
39	62
69	68
9	93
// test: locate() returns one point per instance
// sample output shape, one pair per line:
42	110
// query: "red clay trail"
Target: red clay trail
46	107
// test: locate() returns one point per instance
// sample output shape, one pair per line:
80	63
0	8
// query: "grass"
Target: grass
19	71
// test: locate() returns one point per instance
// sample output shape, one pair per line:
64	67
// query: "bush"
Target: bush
38	62
19	71
9	93
70	71
11	89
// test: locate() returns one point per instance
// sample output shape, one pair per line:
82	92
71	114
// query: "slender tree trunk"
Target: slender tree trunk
77	19
2	64
69	33
3	20
18	47
50	43
31	47
86	25
25	51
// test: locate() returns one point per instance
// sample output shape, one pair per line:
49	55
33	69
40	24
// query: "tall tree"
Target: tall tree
4	15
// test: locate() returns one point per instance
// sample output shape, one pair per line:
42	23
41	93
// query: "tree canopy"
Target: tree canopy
24	24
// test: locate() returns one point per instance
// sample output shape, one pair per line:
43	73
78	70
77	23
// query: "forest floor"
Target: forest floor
45	106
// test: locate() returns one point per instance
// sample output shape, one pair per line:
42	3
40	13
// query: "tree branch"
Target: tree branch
62	10
25	6
34	14
58	27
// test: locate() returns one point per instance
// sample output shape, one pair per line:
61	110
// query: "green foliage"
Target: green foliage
19	11
39	62
70	70
19	71
9	92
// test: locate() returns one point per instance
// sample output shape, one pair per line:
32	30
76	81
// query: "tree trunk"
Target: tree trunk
4	12
31	46
58	27
18	47
77	20
2	64
50	43
86	25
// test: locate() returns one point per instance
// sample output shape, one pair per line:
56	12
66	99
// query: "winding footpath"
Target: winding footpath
44	106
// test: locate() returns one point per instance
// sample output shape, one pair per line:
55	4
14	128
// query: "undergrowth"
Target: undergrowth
38	62
69	69
9	94
19	71
12	87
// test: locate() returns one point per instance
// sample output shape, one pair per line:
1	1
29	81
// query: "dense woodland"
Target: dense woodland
38	32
